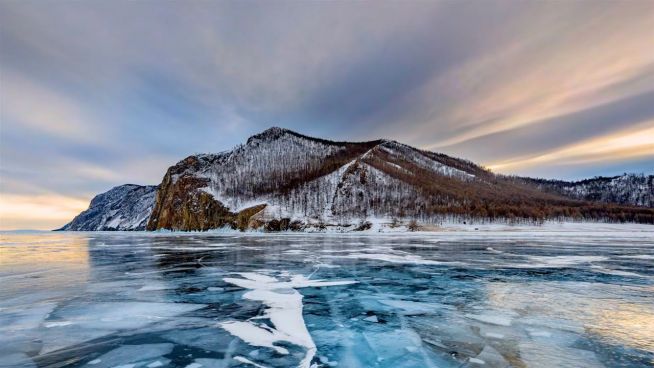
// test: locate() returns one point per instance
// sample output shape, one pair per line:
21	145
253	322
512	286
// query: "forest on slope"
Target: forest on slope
283	177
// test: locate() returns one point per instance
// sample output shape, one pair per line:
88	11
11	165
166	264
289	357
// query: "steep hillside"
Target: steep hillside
126	207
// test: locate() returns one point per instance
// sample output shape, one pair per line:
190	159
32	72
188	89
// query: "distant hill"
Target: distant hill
629	189
280	179
126	207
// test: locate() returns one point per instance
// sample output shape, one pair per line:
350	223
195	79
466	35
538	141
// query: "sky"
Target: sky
95	94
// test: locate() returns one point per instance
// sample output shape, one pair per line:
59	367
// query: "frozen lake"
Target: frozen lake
454	299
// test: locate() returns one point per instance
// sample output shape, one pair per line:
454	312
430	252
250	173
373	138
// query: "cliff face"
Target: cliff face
182	205
280	179
126	207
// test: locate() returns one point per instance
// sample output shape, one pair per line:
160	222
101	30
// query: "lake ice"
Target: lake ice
491	298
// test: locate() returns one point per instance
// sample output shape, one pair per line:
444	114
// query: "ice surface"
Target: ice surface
490	357
134	355
57	324
283	309
156	287
206	338
561	261
247	361
372	319
27	318
494	319
498	297
408	307
394	258
640	256
122	315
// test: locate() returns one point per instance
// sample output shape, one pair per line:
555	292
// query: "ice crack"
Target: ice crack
283	308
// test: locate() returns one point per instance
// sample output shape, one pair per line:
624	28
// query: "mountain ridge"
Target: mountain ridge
124	207
280	175
636	189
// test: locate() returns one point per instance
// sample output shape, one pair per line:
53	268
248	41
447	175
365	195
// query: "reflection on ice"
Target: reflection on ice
493	299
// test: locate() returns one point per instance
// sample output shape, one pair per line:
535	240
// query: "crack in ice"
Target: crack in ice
283	308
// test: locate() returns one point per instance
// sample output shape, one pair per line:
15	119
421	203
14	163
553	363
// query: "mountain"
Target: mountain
126	207
631	189
280	179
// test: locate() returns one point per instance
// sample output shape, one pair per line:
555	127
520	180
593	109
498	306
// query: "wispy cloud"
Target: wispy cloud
37	108
629	144
94	94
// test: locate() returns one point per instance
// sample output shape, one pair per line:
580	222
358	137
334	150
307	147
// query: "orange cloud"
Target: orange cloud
626	144
525	81
39	212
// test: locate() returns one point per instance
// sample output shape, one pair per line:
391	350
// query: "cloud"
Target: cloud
94	94
32	106
43	212
570	59
552	133
628	144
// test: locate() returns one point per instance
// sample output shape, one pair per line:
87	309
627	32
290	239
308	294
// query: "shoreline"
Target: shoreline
384	229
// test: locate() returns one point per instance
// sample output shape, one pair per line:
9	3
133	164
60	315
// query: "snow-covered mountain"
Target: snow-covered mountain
126	207
281	179
297	177
632	189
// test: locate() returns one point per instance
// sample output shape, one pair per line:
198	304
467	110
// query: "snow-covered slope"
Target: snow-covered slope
296	176
126	207
281	179
308	179
628	189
